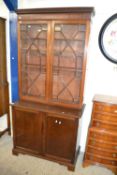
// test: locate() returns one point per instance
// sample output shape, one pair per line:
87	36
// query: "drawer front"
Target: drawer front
100	160
99	151
103	145
103	136
105	117
101	107
105	126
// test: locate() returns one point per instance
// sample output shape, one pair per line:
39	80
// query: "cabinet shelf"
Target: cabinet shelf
55	39
72	69
66	55
56	69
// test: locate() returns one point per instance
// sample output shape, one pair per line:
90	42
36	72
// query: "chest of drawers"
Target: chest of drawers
101	146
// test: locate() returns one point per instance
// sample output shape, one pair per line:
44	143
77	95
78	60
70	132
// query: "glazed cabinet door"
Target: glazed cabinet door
60	137
52	61
27	130
68	62
32	49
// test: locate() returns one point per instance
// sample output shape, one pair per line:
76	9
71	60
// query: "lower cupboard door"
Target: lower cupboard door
61	138
28	130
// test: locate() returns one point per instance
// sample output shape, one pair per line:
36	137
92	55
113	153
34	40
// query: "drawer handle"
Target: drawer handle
93	142
60	122
94	135
113	163
91	157
100	107
114	155
56	121
115	147
97	123
115	111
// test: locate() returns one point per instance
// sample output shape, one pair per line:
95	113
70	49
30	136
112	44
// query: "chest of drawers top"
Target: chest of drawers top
105	99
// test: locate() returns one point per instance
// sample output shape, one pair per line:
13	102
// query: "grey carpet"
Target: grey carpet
29	165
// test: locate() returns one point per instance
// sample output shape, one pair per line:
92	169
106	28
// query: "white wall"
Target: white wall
4	13
101	75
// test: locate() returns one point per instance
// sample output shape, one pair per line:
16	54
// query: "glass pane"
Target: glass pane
69	41
33	59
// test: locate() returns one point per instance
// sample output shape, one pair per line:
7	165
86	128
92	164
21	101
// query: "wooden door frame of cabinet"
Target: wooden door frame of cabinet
3	82
49	61
85	59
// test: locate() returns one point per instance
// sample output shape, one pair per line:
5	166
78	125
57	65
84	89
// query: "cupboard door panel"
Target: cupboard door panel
3	68
28	130
60	137
33	47
69	45
4	98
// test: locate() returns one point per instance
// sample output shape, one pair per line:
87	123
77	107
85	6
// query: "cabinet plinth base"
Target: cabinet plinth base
15	152
70	166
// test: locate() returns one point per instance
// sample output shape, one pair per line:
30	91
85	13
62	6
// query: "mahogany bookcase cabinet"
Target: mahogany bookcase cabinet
52	45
